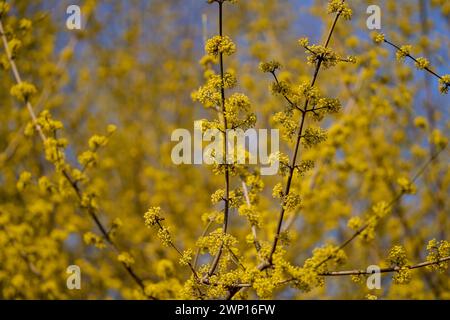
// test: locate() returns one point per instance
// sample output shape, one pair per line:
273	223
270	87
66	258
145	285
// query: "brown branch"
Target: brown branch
247	200
390	204
356	272
384	270
297	145
266	264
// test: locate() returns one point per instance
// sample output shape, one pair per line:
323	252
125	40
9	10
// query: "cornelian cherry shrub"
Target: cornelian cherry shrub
224	149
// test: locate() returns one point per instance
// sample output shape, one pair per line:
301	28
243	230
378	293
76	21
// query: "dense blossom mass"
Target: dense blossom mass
87	179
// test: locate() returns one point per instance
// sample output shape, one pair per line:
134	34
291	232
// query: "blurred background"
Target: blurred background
135	64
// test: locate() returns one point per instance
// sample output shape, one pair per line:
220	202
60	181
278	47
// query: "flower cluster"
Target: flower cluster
251	213
378	38
284	166
406	185
438	138
325	106
24	181
308	276
115	225
222	1
93	239
313	136
422	63
327	57
354	223
270	66
25	24
4	8
289	125
421	122
23	91
397	256
89	158
444	83
281	88
238	113
340	7
403	52
291	202
164	236
14	47
89	200
378	211
126	258
277	191
215	240
304	166
153	216
186	257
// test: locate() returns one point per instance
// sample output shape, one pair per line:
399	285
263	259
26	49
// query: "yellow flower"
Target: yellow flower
164	236
438	139
217	196
339	6
397	256
436	251
97	141
153	216
93	239
14	46
304	42
25	24
186	257
354	223
111	128
313	136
